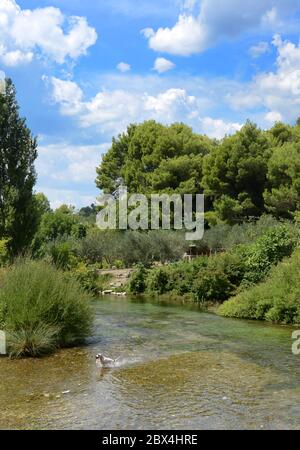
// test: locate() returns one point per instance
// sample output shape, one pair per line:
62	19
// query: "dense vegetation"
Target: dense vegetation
216	278
277	299
41	309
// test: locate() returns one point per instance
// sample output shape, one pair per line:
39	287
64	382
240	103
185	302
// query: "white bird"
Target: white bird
104	361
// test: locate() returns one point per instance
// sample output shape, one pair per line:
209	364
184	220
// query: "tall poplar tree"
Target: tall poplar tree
18	152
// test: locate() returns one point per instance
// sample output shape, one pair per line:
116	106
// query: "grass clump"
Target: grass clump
41	309
277	299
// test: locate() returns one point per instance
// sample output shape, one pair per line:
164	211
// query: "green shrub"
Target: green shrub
119	264
268	250
211	286
87	276
62	255
277	299
157	281
137	282
41	309
181	276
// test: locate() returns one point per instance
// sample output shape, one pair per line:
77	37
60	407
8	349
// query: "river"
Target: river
179	368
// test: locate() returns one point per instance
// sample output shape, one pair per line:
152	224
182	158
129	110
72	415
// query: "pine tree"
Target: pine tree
18	152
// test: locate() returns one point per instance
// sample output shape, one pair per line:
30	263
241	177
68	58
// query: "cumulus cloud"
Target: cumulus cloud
273	116
218	128
114	109
269	97
167	104
66	93
123	67
217	20
185	38
41	32
277	91
162	65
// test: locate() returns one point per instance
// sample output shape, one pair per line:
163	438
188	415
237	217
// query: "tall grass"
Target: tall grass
275	300
41	309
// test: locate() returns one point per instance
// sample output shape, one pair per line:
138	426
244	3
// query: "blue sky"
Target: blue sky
85	70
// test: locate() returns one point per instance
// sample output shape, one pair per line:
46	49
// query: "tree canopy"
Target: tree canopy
242	176
151	157
18	152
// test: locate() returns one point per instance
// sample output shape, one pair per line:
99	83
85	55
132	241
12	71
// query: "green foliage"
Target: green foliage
268	250
282	197
112	248
41	309
88	277
277	299
55	226
63	255
235	174
157	281
18	152
4	252
137	282
211	286
79	231
242	176
151	157
226	237
216	278
42	204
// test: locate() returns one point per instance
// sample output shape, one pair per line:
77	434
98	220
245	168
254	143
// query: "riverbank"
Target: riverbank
212	280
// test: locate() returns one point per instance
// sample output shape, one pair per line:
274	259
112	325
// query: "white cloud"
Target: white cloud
166	105
218	128
260	49
277	91
113	110
273	116
123	67
217	20
68	94
185	38
67	163
269	96
67	172
15	58
162	65
46	32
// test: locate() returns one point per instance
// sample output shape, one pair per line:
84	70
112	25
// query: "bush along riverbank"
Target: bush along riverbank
41	309
214	279
277	299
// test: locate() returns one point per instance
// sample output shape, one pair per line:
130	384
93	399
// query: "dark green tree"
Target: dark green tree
282	196
18	152
151	157
235	174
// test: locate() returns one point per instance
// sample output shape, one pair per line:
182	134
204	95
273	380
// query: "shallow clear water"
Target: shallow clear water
179	368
